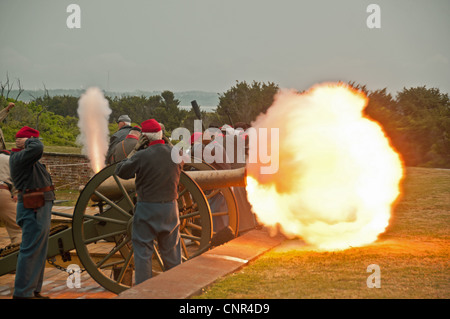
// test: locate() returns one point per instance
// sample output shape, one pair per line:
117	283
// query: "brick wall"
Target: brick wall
68	171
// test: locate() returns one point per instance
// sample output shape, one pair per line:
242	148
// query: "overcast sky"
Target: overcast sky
207	45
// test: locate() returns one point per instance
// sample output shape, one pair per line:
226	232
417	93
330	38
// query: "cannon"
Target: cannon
102	239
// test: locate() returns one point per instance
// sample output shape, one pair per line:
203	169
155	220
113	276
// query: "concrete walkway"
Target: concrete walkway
189	278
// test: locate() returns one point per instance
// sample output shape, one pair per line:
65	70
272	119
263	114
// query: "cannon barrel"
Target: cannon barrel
206	180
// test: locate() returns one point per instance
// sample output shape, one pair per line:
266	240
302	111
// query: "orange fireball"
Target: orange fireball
338	175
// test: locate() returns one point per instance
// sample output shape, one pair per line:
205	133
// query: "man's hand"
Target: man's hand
10	106
142	142
20	142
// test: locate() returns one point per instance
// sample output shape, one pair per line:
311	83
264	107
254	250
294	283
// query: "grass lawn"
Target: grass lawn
52	148
68	196
412	255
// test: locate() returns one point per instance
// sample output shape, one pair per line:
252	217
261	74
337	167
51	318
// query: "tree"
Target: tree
163	108
54	129
244	102
425	126
9	87
382	108
64	105
138	108
168	112
417	122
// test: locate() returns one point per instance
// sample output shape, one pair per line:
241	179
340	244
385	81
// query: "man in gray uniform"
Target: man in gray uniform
156	213
124	123
34	211
123	148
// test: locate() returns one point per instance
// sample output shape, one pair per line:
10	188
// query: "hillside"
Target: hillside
205	99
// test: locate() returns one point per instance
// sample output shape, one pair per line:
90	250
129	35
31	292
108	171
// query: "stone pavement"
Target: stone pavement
181	282
55	280
55	286
189	278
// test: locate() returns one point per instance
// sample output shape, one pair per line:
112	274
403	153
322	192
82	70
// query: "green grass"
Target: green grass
413	255
69	196
52	148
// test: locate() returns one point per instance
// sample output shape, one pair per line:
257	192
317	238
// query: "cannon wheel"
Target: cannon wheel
112	228
232	209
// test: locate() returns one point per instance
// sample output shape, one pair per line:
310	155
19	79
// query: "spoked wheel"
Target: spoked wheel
102	238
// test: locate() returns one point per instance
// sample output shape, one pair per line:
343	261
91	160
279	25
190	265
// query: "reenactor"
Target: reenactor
123	148
124	123
8	200
156	212
34	209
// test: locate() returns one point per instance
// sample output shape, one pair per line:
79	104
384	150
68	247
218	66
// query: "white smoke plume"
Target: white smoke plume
93	113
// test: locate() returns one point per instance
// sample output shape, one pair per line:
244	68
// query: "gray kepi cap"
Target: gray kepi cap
124	118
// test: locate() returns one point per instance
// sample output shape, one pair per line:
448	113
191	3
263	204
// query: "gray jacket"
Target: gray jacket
26	170
115	139
157	176
122	149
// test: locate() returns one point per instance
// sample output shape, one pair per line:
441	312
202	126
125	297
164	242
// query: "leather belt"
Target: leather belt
163	202
43	189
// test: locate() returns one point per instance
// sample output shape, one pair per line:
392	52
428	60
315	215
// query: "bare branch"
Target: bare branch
2	87
45	91
20	89
9	86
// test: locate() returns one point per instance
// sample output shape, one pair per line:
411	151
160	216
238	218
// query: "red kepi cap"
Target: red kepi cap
27	132
150	126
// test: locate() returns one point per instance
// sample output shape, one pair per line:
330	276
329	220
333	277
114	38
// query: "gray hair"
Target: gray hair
153	136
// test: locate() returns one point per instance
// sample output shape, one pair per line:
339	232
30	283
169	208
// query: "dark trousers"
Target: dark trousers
33	249
160	222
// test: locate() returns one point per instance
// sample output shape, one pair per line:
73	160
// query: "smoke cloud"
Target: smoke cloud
338	175
93	113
